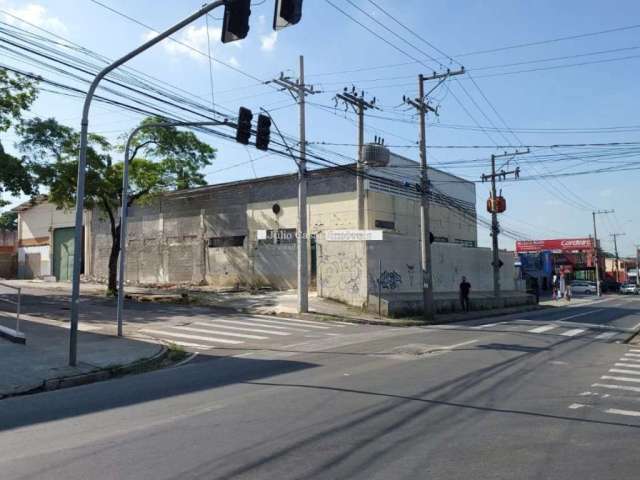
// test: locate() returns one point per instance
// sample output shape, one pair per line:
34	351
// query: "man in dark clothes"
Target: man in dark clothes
465	288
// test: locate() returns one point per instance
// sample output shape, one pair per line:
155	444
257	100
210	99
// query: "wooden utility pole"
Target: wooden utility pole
595	240
615	249
421	104
495	226
360	105
299	90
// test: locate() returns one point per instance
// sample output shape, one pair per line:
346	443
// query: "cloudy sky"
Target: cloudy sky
540	73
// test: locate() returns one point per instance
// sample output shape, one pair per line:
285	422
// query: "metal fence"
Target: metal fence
12	299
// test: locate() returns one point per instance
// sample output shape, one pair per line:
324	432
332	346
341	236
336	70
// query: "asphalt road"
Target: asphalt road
544	395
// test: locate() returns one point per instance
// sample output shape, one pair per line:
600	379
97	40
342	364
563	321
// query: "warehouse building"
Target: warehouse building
243	234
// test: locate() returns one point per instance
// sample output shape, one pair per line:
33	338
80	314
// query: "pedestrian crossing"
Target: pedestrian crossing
234	331
616	392
555	329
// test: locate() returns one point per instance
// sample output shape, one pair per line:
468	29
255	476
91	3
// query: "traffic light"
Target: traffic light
243	132
263	132
235	24
288	12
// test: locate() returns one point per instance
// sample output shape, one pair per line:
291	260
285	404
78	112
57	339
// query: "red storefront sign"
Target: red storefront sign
557	245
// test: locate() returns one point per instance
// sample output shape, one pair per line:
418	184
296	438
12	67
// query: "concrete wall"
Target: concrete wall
168	239
351	271
342	272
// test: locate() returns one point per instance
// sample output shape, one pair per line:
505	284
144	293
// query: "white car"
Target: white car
583	286
629	288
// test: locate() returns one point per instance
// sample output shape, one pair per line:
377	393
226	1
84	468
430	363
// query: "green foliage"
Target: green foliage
161	159
9	221
16	95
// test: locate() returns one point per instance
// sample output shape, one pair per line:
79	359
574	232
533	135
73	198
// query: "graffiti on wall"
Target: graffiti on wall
389	280
343	273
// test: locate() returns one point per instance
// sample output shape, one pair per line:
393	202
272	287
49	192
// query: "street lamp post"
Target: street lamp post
82	163
125	205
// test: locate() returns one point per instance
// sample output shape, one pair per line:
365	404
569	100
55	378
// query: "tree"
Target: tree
161	160
9	221
16	95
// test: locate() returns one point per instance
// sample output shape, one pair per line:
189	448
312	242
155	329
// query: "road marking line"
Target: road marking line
192	337
630	413
216	332
487	325
634	351
304	323
605	335
242	329
617	387
576	315
193	345
543	328
630	372
575	406
620	379
628	365
451	347
255	324
632	354
573	332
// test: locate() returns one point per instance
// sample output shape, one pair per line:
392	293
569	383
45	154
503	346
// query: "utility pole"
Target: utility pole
494	208
615	249
595	239
299	90
422	105
359	105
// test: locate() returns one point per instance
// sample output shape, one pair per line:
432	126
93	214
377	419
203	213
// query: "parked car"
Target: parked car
610	286
583	286
629	288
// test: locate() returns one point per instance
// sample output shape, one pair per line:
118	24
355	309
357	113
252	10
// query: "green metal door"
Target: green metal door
63	253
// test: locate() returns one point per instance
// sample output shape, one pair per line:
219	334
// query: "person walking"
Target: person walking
465	288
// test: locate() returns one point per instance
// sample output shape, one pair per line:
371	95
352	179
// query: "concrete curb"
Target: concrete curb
97	375
12	335
396	323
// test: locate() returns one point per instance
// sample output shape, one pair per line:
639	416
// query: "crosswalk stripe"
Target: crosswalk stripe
630	413
573	332
251	324
630	372
617	387
632	360
634	351
298	320
543	328
286	322
192	337
217	332
242	329
605	335
620	379
632	355
628	365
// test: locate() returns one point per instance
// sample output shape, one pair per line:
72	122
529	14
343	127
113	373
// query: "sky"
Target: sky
570	91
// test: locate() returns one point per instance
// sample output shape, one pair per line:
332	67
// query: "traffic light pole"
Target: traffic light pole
82	167
124	209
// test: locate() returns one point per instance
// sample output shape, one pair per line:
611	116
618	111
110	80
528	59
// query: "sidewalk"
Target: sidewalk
42	364
285	304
